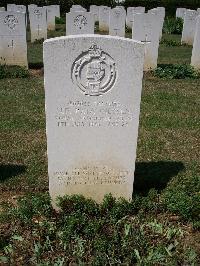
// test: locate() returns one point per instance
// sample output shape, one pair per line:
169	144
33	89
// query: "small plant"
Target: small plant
176	72
60	20
113	232
170	43
13	72
173	26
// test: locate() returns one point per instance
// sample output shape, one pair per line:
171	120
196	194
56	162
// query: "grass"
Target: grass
159	227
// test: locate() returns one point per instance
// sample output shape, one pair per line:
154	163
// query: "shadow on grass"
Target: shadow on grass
10	170
155	175
38	65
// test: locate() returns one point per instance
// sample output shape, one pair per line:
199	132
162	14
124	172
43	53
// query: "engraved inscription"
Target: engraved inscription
95	175
93	114
80	22
94	71
38	13
11	21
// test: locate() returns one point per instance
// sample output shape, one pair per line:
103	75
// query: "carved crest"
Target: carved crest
38	13
11	21
80	22
94	71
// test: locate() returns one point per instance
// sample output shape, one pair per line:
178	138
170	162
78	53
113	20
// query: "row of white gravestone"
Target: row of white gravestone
146	27
52	11
83	22
92	104
48	13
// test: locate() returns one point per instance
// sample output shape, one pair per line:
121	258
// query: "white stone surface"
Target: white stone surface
189	26
92	104
180	12
18	8
13	47
146	29
38	23
95	11
79	23
130	13
56	10
104	15
51	16
117	22
11	7
195	60
31	6
160	13
77	8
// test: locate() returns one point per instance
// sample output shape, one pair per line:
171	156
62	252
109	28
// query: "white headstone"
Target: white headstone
117	22
180	12
198	10
189	26
13	46
95	11
160	13
146	29
38	23
56	10
2	8
51	16
17	8
104	14
130	12
195	60
79	23
77	8
31	6
11	7
92	104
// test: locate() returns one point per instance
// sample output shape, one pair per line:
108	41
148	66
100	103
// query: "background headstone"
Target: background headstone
189	26
130	12
180	12
79	23
146	28
2	8
13	46
31	6
195	60
95	11
160	13
38	23
117	22
104	15
92	104
77	8
51	16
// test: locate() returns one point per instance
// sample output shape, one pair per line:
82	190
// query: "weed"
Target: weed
13	72
176	72
173	26
60	20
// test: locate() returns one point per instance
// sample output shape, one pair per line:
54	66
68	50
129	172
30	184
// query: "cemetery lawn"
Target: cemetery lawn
159	227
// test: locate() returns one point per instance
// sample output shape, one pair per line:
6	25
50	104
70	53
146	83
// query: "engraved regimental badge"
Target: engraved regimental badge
38	13
94	71
80	22
11	21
